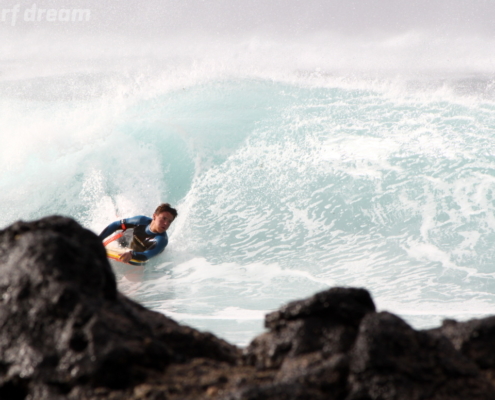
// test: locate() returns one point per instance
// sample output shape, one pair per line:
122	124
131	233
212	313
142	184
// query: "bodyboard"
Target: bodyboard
114	251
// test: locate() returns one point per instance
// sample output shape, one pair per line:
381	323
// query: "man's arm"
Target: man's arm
113	227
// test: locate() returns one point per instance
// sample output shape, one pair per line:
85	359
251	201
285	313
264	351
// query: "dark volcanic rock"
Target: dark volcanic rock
308	342
63	323
67	333
475	339
390	360
336	346
341	305
290	391
326	322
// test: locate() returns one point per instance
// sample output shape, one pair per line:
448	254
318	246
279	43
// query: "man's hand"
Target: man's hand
126	257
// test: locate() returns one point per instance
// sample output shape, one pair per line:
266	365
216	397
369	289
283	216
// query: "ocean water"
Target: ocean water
293	169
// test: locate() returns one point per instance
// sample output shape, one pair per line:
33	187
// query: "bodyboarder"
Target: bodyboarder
149	236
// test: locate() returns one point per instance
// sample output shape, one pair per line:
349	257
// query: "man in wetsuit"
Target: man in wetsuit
149	236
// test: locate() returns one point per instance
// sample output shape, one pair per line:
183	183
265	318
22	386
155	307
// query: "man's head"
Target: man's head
163	216
166	207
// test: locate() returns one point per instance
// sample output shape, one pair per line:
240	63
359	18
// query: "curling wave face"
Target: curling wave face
287	181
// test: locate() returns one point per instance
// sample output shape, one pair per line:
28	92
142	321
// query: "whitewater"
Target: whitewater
295	165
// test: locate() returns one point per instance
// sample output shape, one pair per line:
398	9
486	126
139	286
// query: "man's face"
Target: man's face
161	222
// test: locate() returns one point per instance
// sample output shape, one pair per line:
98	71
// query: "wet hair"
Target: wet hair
165	207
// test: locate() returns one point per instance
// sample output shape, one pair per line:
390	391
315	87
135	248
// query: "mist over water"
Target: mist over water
304	145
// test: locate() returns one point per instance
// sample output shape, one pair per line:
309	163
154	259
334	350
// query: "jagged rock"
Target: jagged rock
63	322
475	339
67	333
287	391
390	360
326	322
327	375
341	305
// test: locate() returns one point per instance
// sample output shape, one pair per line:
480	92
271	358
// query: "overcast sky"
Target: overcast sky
331	35
282	17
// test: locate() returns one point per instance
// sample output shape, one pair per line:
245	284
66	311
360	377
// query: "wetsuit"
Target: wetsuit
145	244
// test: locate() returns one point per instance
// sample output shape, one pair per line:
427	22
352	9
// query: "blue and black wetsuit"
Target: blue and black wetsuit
145	243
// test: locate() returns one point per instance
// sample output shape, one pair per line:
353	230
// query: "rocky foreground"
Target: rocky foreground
67	333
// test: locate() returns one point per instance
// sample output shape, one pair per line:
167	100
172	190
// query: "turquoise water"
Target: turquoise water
285	185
